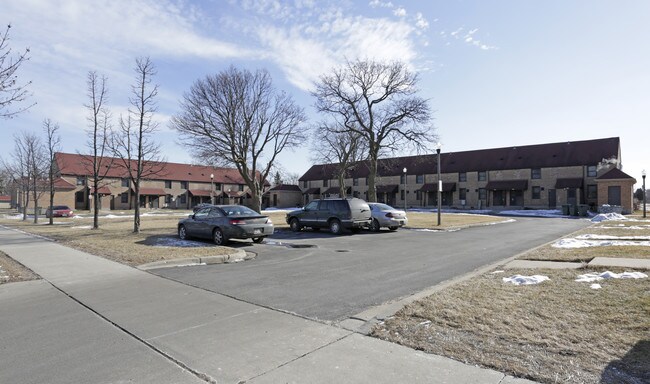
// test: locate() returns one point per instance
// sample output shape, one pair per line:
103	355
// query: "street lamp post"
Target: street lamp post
439	183
643	177
212	188
404	189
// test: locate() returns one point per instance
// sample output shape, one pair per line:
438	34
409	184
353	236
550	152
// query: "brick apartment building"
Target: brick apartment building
533	176
174	185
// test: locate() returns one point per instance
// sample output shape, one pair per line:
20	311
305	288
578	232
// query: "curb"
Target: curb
237	256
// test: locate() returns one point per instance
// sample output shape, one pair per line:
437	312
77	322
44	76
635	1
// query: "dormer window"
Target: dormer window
592	171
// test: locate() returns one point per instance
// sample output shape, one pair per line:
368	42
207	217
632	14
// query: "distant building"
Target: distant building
174	185
284	196
533	176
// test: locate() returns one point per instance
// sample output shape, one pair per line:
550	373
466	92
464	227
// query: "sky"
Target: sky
496	73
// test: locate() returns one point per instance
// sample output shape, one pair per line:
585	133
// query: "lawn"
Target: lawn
559	331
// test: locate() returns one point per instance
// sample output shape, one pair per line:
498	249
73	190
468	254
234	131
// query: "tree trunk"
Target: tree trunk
341	184
372	188
136	211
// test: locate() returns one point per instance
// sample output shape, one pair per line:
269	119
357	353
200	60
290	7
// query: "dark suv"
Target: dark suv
335	214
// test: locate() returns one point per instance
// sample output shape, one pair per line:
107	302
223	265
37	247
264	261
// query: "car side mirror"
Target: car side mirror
190	216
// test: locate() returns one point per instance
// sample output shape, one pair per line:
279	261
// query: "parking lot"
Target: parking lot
331	278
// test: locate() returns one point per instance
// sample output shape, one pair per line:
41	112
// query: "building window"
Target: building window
462	193
304	184
124	198
482	175
462	176
402	194
537	193
355	182
168	199
183	199
402	178
419	179
536	173
79	197
418	195
241	187
482	194
324	182
217	186
592	171
184	184
125	182
592	192
81	180
168	183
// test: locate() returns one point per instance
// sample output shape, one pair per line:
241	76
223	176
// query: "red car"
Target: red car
59	211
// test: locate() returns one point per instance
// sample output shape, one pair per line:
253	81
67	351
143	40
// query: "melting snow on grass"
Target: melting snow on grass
176	242
591	277
525	280
610	237
580	243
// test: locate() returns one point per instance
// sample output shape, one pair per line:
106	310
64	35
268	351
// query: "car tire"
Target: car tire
182	233
393	228
374	226
258	240
218	237
294	224
335	227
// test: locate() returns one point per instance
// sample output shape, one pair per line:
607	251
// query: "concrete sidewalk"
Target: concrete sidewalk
94	320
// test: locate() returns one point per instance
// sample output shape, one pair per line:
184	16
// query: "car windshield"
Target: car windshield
383	207
239	210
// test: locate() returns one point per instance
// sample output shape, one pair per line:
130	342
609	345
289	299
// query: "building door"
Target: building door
517	198
275	199
614	195
552	198
571	196
499	198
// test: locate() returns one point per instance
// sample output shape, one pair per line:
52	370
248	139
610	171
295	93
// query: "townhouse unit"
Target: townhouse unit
533	176
170	185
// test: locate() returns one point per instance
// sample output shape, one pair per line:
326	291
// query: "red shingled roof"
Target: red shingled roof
5	198
79	165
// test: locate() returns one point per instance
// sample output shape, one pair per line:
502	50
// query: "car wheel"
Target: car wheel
182	233
258	239
335	227
374	226
295	225
218	237
393	228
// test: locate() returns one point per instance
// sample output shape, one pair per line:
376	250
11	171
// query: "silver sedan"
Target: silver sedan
386	216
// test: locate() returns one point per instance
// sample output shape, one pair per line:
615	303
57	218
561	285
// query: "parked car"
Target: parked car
224	222
384	215
335	214
59	211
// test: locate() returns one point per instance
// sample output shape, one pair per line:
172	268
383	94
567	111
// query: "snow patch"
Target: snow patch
82	227
525	280
571	243
175	242
595	286
590	277
608	217
609	237
534	212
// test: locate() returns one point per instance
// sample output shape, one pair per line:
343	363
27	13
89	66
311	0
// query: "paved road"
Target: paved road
345	275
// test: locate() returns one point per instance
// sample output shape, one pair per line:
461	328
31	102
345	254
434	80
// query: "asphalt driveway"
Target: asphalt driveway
331	278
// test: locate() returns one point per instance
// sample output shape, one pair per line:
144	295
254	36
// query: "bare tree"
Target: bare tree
53	145
10	90
378	102
138	153
342	148
96	164
27	170
238	118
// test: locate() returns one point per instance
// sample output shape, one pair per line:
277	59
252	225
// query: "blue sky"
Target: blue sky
497	73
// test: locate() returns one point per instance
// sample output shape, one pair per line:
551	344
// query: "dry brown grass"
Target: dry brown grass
116	241
11	271
557	331
611	228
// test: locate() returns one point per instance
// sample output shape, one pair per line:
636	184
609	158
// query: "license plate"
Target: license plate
258	231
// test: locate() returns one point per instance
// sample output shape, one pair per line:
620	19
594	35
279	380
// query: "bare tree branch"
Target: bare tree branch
376	102
133	144
237	118
53	145
10	90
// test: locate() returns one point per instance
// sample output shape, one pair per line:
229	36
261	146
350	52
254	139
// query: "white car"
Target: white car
384	215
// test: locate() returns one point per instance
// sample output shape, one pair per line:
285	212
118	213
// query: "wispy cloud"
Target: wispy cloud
381	4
